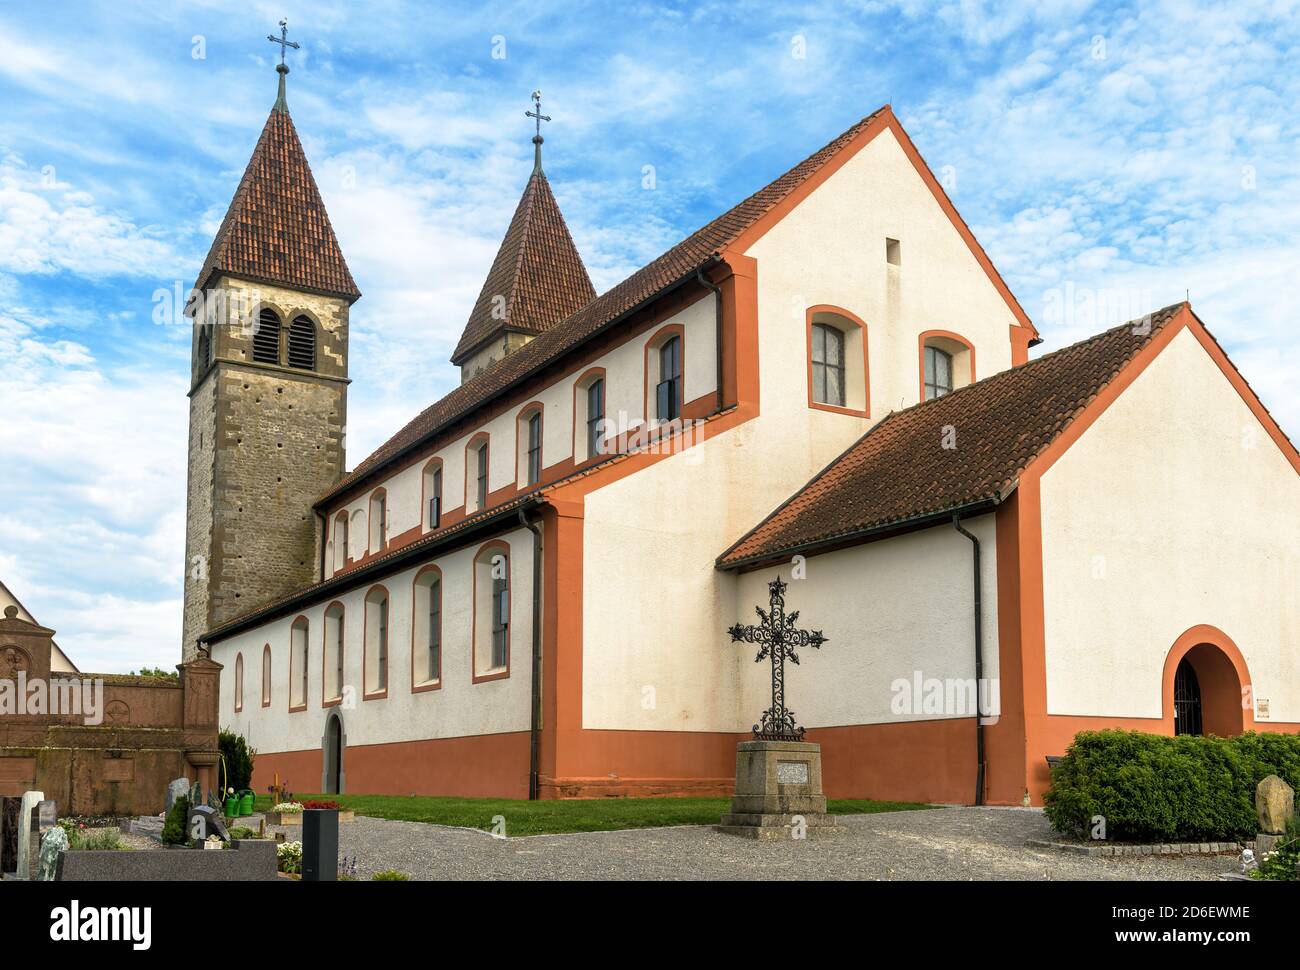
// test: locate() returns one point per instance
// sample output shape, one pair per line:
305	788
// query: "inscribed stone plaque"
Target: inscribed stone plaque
792	772
48	814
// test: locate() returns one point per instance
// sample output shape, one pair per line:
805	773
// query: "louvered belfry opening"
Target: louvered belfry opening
302	344
266	341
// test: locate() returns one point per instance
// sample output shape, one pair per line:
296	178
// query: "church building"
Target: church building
527	590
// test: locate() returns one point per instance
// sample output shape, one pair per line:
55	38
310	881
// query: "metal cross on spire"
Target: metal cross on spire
537	138
778	638
284	42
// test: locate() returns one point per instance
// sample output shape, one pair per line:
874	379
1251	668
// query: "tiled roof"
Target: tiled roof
276	229
678	263
900	469
537	277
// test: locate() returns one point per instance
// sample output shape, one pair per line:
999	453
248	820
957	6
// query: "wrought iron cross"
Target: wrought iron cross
778	638
283	40
537	103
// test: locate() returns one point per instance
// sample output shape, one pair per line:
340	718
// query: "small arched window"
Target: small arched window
432	485
298	648
378	521
492	612
266	338
828	364
239	682
938	372
668	389
266	676
376	644
204	353
947	363
302	343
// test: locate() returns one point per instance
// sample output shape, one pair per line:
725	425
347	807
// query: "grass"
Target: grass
552	817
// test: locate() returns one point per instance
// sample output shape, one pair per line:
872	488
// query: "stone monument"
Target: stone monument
778	774
1275	804
29	807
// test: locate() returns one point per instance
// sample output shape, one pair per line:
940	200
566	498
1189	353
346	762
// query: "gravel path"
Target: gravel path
944	843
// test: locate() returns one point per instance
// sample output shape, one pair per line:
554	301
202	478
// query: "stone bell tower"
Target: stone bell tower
268	391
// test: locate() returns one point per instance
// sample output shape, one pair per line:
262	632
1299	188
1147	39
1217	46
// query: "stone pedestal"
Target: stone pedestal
778	792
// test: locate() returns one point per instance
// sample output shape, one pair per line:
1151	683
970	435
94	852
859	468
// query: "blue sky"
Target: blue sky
1107	155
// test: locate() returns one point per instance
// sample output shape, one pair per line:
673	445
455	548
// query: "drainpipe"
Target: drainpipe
535	724
717	303
979	661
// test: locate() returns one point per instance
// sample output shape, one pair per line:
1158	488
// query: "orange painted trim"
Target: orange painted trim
652	346
580	386
434	464
266	675
887	121
866	361
239	682
299	622
488	547
432	683
481	439
920	355
522	417
325	651
382	693
1203	634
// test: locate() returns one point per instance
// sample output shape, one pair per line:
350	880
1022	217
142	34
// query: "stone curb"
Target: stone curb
1164	848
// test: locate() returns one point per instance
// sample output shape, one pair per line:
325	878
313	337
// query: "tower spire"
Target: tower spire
282	68
537	138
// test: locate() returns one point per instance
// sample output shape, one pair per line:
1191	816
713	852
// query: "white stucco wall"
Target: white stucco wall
651	539
1174	509
460	708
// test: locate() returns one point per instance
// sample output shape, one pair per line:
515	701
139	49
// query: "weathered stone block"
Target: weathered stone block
1275	803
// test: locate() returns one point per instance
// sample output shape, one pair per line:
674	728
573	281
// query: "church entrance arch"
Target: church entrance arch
1207	687
332	746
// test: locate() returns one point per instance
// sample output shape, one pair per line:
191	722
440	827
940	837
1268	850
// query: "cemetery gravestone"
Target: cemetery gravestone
175	789
26	815
320	845
204	821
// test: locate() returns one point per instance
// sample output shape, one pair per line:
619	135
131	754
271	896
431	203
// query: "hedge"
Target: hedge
1156	788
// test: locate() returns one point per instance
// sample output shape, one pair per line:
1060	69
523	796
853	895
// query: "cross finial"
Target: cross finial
537	138
282	68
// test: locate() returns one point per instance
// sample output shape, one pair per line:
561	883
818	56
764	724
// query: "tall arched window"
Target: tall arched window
378	521
432	486
239	682
589	427
298	650
426	629
528	434
302	343
668	389
476	473
828	364
492	612
333	654
340	541
266	676
376	643
266	338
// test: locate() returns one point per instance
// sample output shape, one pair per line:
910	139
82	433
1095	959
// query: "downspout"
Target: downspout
535	722
979	660
717	303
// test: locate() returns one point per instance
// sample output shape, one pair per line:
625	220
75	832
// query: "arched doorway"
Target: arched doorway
1187	700
1207	685
332	747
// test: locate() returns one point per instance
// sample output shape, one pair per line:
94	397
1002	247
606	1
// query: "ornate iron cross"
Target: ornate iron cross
778	639
537	103
283	40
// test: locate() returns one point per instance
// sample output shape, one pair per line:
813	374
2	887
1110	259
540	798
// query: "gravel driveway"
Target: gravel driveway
943	843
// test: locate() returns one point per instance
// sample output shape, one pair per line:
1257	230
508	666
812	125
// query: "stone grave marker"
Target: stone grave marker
204	821
27	810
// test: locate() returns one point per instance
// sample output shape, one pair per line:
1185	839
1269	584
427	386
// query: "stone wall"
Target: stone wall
276	444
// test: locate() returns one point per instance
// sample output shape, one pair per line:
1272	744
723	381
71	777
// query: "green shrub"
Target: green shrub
239	760
1283	863
175	829
243	832
1156	788
98	840
390	875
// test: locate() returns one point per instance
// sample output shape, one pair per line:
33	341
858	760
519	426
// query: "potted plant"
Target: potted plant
285	813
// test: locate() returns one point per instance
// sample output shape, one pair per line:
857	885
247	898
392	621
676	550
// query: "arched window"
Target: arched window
333	654
528	432
302	343
668	386
426	629
378	521
266	338
340	541
476	473
492	612
947	363
837	361
432	486
589	428
239	682
376	643
298	650
266	676
828	364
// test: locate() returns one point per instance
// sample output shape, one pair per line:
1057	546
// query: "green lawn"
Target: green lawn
546	817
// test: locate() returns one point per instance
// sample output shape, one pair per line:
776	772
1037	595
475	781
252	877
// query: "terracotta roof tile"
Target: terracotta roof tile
537	273
900	470
676	264
276	229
